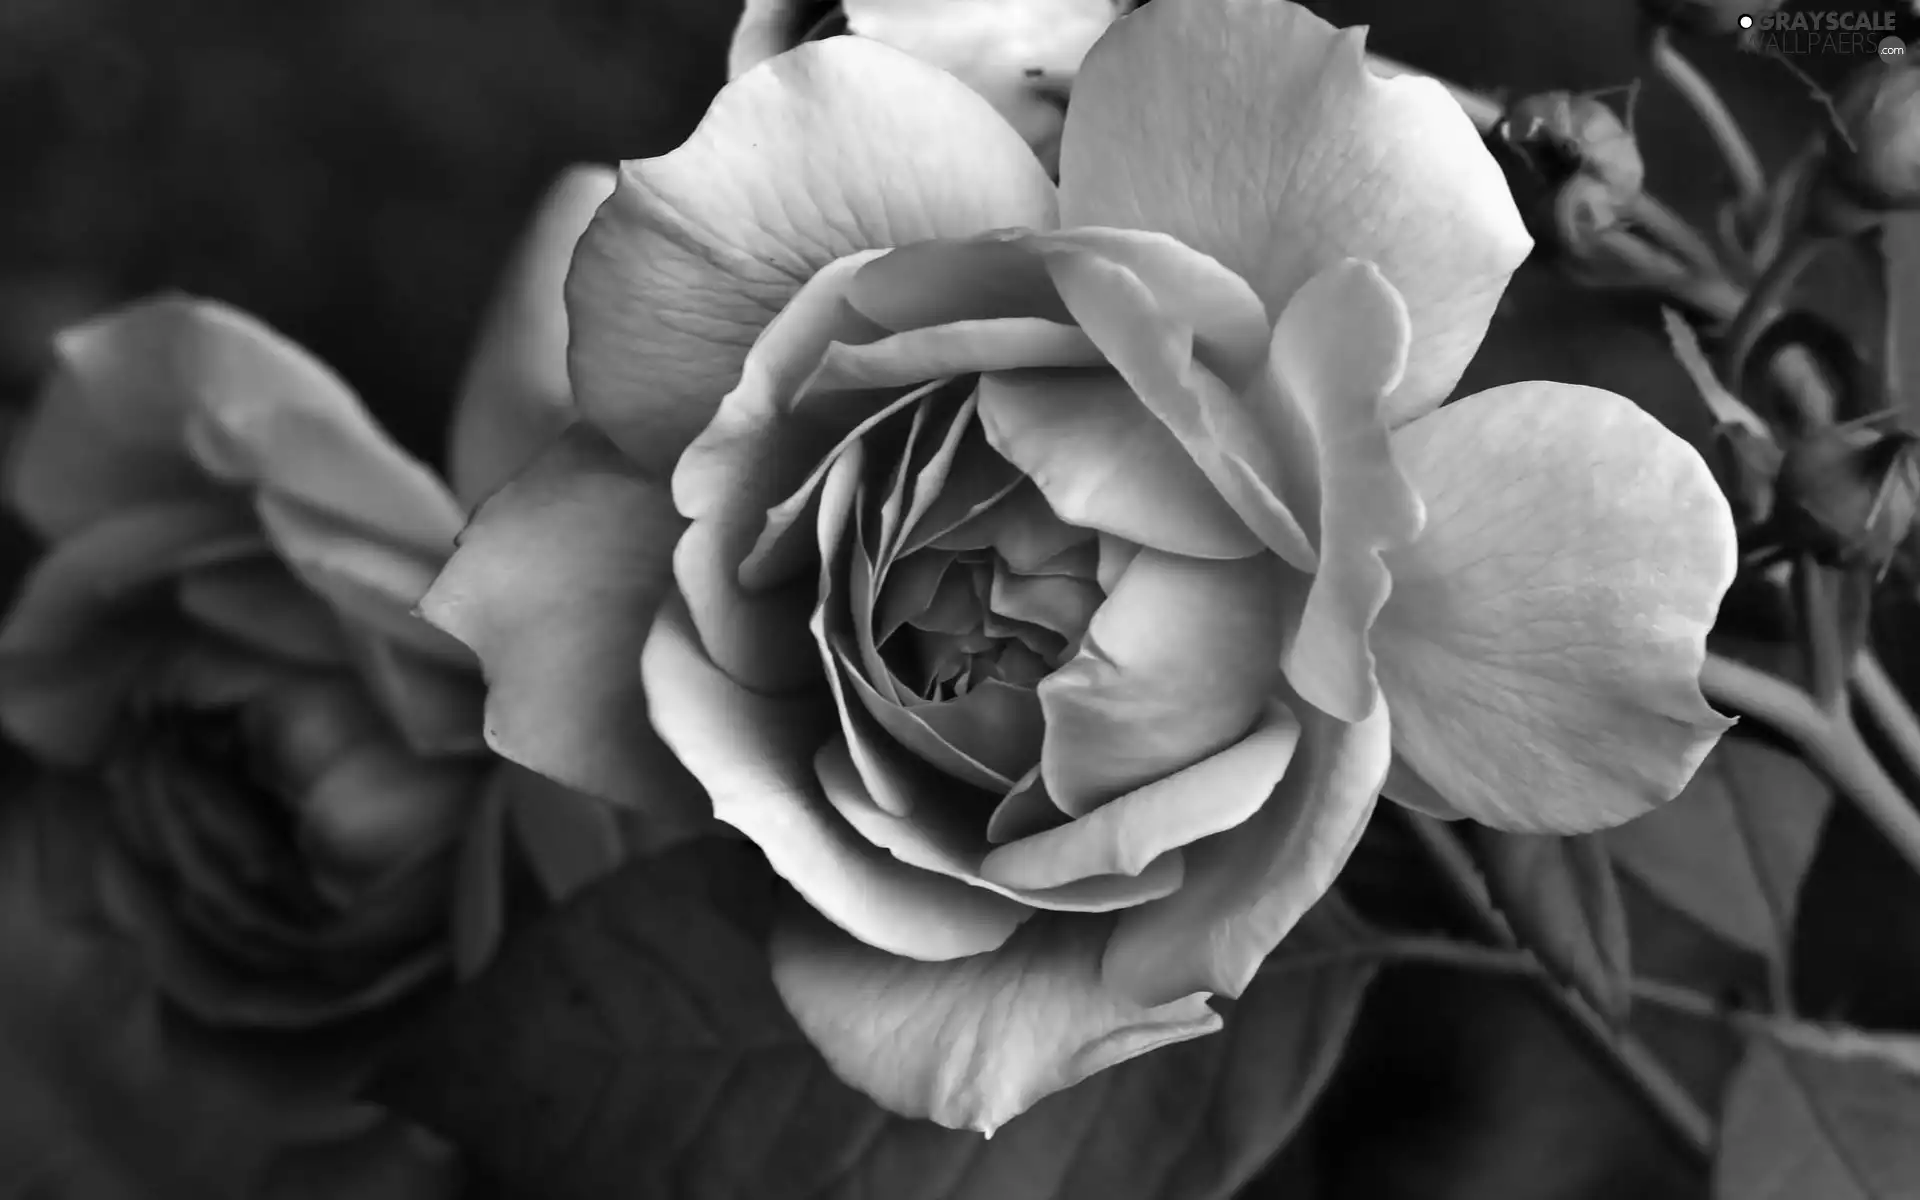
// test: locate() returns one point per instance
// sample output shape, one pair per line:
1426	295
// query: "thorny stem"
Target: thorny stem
1749	178
1828	739
1664	1097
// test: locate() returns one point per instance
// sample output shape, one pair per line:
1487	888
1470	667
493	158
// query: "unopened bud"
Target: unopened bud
1875	164
1848	494
1710	17
1574	164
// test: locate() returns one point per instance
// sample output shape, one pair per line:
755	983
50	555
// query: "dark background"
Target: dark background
354	172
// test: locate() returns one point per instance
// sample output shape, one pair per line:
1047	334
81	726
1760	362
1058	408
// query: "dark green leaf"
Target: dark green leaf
1831	1114
633	1044
1560	896
1733	848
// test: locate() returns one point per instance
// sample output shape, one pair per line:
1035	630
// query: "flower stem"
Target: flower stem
1889	709
1820	633
1828	739
1749	178
1630	1061
1489	960
1769	294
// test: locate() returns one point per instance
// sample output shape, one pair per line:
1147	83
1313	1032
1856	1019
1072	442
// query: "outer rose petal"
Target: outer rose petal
832	148
1337	353
264	413
515	398
1542	648
155	393
1253	131
971	1044
1247	887
554	587
754	755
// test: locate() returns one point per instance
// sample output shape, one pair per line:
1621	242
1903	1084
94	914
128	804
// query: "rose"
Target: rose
221	631
1046	581
1020	54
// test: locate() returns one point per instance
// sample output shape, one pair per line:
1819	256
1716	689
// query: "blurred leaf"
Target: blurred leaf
1560	896
1900	251
103	1095
1732	849
633	1044
1833	1114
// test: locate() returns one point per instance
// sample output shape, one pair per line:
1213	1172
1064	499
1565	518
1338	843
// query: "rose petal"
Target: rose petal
1057	602
1176	666
910	730
1337	353
945	280
942	839
754	756
1005	274
782	548
1230	323
380	808
1122	836
963	347
1155	353
1543	645
260	605
515	399
105	434
84	578
1024	811
438	709
1254	132
553	587
751	456
997	725
834	147
65	707
971	1044
1104	462
260	410
765	28
1247	887
371	584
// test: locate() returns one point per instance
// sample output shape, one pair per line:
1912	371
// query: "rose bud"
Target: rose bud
220	640
1021	55
1711	17
1875	165
1849	493
1575	165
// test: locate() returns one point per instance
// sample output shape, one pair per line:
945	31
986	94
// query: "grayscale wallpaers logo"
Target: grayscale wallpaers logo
1823	33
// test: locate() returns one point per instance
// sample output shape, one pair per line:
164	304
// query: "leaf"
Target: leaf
1732	850
1560	896
633	1044
105	1096
1828	1114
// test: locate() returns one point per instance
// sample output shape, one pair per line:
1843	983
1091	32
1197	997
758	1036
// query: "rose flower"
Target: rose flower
221	633
1047	578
